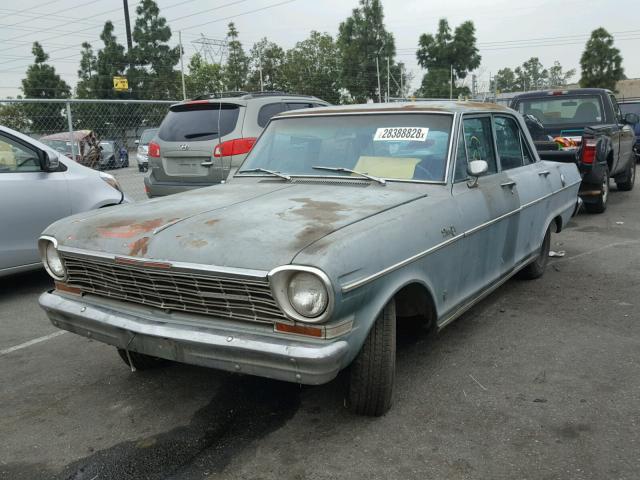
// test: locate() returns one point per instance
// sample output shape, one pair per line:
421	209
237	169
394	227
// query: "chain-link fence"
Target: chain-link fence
70	126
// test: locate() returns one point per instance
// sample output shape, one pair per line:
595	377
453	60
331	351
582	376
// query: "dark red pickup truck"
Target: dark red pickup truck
590	120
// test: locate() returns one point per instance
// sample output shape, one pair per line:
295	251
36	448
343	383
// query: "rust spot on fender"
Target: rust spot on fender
127	229
213	221
320	216
139	247
198	243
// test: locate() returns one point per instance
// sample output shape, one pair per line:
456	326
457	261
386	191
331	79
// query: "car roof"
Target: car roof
242	98
574	91
439	106
77	135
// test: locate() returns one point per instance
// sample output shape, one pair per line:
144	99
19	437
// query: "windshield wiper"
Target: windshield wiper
271	172
381	181
199	134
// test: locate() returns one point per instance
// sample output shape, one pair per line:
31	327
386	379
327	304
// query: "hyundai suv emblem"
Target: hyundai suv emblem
184	146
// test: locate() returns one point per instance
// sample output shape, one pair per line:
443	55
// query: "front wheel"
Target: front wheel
372	373
536	268
600	205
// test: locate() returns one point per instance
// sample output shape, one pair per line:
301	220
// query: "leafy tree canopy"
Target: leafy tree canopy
601	62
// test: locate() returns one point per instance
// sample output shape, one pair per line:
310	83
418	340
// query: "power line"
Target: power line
59	11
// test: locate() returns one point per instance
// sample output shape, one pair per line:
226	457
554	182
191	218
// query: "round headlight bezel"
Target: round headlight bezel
279	281
314	285
48	247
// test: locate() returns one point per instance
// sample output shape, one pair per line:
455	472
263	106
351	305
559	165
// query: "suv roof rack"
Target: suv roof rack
231	93
273	93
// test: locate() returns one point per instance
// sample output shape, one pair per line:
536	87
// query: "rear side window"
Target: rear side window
197	122
269	110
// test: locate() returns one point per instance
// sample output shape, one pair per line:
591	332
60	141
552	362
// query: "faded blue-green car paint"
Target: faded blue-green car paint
453	243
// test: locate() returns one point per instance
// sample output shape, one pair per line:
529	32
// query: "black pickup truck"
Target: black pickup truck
599	138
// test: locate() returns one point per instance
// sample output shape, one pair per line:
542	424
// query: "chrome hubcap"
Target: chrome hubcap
605	188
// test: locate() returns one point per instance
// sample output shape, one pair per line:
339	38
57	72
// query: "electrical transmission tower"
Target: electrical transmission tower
212	50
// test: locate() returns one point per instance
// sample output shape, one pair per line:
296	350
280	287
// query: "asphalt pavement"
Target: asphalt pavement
539	381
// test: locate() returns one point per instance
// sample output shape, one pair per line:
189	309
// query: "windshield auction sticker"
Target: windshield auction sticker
413	134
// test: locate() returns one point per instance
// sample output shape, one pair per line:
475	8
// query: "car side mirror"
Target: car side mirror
49	162
631	118
475	169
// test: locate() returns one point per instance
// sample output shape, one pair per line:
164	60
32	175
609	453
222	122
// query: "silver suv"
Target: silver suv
201	140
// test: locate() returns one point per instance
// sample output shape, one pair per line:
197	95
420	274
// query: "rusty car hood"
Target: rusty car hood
245	225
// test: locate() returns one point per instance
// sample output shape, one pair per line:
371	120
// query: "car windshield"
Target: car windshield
389	146
147	136
630	108
106	146
564	109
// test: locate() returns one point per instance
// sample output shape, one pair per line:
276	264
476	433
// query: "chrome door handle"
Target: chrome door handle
206	164
544	173
508	185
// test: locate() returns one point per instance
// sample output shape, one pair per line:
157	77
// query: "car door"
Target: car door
626	136
488	210
531	183
31	200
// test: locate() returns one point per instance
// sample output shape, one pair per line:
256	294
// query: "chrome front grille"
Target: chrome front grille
193	292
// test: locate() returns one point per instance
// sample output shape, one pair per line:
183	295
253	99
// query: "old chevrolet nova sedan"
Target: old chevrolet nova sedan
341	223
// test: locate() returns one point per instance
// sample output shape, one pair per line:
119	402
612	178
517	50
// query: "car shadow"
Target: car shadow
25	283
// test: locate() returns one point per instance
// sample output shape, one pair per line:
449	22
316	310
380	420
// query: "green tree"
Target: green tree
558	77
363	39
14	115
312	68
444	55
152	74
504	81
203	77
267	60
97	71
601	62
237	67
42	81
531	75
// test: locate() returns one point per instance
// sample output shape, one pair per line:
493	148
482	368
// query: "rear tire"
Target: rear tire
626	182
536	268
141	361
600	205
372	373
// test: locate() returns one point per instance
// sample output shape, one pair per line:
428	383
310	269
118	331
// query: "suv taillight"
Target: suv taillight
238	146
154	150
588	150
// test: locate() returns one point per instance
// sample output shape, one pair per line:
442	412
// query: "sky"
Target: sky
508	32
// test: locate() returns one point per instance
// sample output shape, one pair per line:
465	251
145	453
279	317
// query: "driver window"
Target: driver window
616	108
15	157
479	141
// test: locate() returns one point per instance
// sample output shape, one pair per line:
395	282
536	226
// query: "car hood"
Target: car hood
245	225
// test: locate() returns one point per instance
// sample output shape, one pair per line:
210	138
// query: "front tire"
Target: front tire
626	182
600	205
536	268
140	361
372	373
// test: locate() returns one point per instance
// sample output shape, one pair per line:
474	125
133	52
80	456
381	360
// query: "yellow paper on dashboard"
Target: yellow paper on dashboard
387	167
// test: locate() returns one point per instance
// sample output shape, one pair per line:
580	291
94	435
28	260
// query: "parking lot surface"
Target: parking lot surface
539	381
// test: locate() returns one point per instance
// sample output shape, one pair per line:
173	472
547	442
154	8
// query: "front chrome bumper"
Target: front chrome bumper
287	358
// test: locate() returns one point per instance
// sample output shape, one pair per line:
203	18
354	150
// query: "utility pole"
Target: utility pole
379	87
184	90
401	65
451	86
127	25
261	82
388	78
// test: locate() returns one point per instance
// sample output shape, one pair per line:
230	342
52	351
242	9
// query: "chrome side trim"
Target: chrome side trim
363	281
373	112
175	266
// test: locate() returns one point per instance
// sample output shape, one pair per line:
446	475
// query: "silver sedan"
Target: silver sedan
37	187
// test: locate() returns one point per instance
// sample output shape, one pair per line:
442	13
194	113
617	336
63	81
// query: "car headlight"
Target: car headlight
304	294
307	294
51	259
111	180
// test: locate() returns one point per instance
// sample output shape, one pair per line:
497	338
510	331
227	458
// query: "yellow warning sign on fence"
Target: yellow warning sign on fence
120	84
